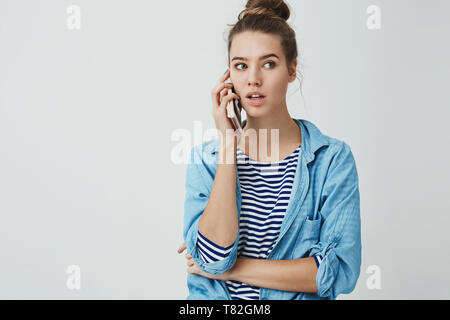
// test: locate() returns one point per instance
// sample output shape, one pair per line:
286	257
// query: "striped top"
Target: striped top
265	191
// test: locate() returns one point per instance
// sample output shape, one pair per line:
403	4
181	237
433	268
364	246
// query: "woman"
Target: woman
286	226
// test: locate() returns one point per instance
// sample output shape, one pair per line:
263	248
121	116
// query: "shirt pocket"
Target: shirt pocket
308	236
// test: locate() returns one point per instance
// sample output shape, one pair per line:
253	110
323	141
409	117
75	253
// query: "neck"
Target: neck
289	131
289	135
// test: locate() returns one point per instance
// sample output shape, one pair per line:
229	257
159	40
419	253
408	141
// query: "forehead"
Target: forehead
254	44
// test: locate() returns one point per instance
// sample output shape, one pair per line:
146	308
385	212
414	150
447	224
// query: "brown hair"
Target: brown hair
267	16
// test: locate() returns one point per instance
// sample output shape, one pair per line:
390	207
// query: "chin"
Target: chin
256	112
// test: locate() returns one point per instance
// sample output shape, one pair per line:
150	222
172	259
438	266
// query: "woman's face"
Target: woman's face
250	71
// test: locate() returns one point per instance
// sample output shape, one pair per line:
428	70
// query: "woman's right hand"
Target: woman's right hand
220	98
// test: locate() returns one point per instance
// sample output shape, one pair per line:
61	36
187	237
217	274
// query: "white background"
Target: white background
86	119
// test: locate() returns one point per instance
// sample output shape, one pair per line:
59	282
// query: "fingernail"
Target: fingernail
225	72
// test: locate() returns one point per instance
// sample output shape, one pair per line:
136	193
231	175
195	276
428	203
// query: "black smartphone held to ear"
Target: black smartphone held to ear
234	109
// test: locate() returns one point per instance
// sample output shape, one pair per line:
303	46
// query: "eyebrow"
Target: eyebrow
260	58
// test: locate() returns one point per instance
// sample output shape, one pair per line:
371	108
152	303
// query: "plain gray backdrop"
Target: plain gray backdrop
87	176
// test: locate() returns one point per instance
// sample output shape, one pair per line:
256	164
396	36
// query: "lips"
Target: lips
256	101
254	93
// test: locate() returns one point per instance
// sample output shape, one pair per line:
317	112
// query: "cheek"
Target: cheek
237	84
278	90
278	83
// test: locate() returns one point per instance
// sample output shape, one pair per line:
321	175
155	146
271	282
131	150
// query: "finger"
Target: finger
219	86
228	98
225	76
188	256
223	93
182	248
217	89
229	95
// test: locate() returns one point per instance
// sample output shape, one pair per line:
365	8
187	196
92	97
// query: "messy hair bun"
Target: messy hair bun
276	9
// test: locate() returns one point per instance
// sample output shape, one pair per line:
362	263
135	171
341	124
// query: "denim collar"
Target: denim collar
312	139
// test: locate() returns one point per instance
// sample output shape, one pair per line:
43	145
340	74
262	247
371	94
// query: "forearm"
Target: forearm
219	221
298	275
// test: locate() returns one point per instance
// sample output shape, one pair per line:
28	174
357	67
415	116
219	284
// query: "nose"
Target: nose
254	78
254	82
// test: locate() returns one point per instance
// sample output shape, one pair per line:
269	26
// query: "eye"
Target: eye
238	64
270	62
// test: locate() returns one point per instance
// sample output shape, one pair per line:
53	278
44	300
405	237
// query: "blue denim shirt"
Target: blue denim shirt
322	217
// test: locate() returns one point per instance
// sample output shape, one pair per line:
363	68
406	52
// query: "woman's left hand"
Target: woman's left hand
193	267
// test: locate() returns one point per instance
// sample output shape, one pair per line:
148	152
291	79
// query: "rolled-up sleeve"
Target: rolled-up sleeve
339	247
196	198
210	251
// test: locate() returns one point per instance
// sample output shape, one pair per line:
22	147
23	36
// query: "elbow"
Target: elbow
220	266
336	276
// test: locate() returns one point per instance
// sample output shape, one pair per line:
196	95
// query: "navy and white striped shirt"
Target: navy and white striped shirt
265	191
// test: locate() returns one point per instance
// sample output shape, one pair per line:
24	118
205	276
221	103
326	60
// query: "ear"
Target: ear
293	71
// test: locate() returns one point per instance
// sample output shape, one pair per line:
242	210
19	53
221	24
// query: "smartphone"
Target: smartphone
234	110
